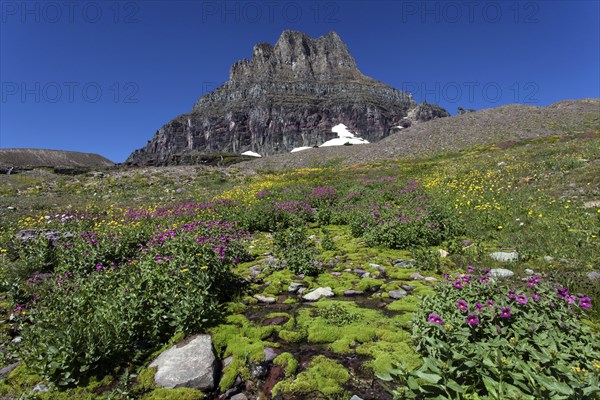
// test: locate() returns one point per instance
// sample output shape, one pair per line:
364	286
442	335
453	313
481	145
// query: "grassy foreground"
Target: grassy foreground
119	264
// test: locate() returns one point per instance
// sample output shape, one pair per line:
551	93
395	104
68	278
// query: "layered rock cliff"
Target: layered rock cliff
288	95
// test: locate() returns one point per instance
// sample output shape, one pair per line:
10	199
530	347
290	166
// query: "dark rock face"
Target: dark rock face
462	111
288	95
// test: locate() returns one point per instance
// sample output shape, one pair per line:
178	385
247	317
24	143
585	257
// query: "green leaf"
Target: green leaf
490	386
431	378
555	386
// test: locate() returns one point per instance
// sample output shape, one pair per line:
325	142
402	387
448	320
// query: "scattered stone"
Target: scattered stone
501	164
269	353
239	396
416	277
347	270
300	277
301	290
265	299
17	340
397	294
359	271
6	370
593	276
529	272
355	397
294	286
403	263
375	266
11	208
40	388
335	273
467	243
591	204
276	374
501	273
443	253
352	292
255	270
318	294
190	363
226	361
430	279
366	275
408	288
504	256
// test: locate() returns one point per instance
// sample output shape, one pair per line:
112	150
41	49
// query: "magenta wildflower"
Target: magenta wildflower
478	307
505	312
535	297
585	302
563	293
98	266
522	299
435	319
484	279
570	299
472	319
466	279
511	295
462	305
490	303
457	284
470	269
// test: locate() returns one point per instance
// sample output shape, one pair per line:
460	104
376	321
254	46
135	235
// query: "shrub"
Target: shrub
490	338
297	250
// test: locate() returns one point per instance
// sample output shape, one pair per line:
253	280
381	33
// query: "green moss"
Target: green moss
19	380
291	336
368	284
288	362
174	394
145	380
323	376
384	354
408	304
243	340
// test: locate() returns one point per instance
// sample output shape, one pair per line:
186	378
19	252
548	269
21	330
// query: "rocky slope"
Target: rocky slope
30	158
288	95
494	125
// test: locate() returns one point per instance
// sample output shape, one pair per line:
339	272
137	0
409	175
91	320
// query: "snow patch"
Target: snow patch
344	137
251	154
297	149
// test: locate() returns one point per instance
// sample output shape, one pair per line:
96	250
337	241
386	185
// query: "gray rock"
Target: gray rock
529	272
504	256
501	273
269	353
416	277
548	258
318	294
6	370
593	276
40	388
430	279
359	271
408	288
239	396
294	286
335	273
397	294
190	363
17	340
352	292
366	275
226	361
355	397
404	264
443	253
375	266
265	299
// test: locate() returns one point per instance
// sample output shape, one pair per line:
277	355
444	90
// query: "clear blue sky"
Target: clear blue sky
104	76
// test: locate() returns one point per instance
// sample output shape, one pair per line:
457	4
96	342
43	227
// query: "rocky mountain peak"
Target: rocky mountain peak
288	95
297	56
